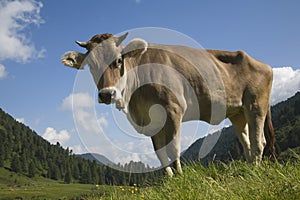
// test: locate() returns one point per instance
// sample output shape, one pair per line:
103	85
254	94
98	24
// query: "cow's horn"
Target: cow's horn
121	38
82	44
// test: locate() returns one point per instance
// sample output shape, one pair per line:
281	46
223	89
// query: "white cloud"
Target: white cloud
86	121
15	17
53	136
286	83
21	120
3	72
77	100
82	106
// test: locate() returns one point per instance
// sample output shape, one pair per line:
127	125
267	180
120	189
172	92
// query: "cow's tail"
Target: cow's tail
269	150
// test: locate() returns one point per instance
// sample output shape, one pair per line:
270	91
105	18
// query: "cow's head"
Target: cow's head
105	55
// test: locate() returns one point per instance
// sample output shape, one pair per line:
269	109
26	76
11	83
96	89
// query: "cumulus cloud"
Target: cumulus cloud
15	17
87	122
3	72
53	136
21	120
82	106
77	100
286	82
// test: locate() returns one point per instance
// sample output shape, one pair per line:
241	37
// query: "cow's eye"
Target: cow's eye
119	62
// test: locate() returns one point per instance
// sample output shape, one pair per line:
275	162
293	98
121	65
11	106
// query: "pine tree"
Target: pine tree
15	164
94	174
31	170
2	152
54	172
75	171
86	176
24	163
68	176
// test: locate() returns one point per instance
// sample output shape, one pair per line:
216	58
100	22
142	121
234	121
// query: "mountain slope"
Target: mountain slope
100	159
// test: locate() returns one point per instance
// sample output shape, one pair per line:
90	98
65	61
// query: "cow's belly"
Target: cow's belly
212	113
205	115
210	108
153	124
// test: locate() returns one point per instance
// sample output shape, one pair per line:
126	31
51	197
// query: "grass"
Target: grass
236	180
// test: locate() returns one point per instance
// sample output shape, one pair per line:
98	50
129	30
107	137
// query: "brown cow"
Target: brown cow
159	86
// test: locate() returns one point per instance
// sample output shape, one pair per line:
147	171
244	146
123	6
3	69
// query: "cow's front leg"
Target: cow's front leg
173	135
173	148
167	142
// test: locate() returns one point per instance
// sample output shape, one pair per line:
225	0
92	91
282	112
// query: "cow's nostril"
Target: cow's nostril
105	97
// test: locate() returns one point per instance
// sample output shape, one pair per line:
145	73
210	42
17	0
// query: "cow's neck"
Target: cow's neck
132	81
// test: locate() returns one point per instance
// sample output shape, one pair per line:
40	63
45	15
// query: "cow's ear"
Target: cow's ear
135	46
73	59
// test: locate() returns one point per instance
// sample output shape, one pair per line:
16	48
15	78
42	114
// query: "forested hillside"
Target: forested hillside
286	122
24	151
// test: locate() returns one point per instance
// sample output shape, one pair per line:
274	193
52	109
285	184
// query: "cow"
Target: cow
159	86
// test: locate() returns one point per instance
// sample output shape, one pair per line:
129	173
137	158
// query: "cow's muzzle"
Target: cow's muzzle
111	95
107	96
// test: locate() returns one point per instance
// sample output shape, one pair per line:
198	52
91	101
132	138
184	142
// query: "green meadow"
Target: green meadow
16	186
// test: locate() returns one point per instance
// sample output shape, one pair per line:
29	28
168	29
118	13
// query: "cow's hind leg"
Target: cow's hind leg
241	128
256	118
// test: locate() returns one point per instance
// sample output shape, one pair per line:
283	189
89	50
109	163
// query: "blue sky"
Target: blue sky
36	88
